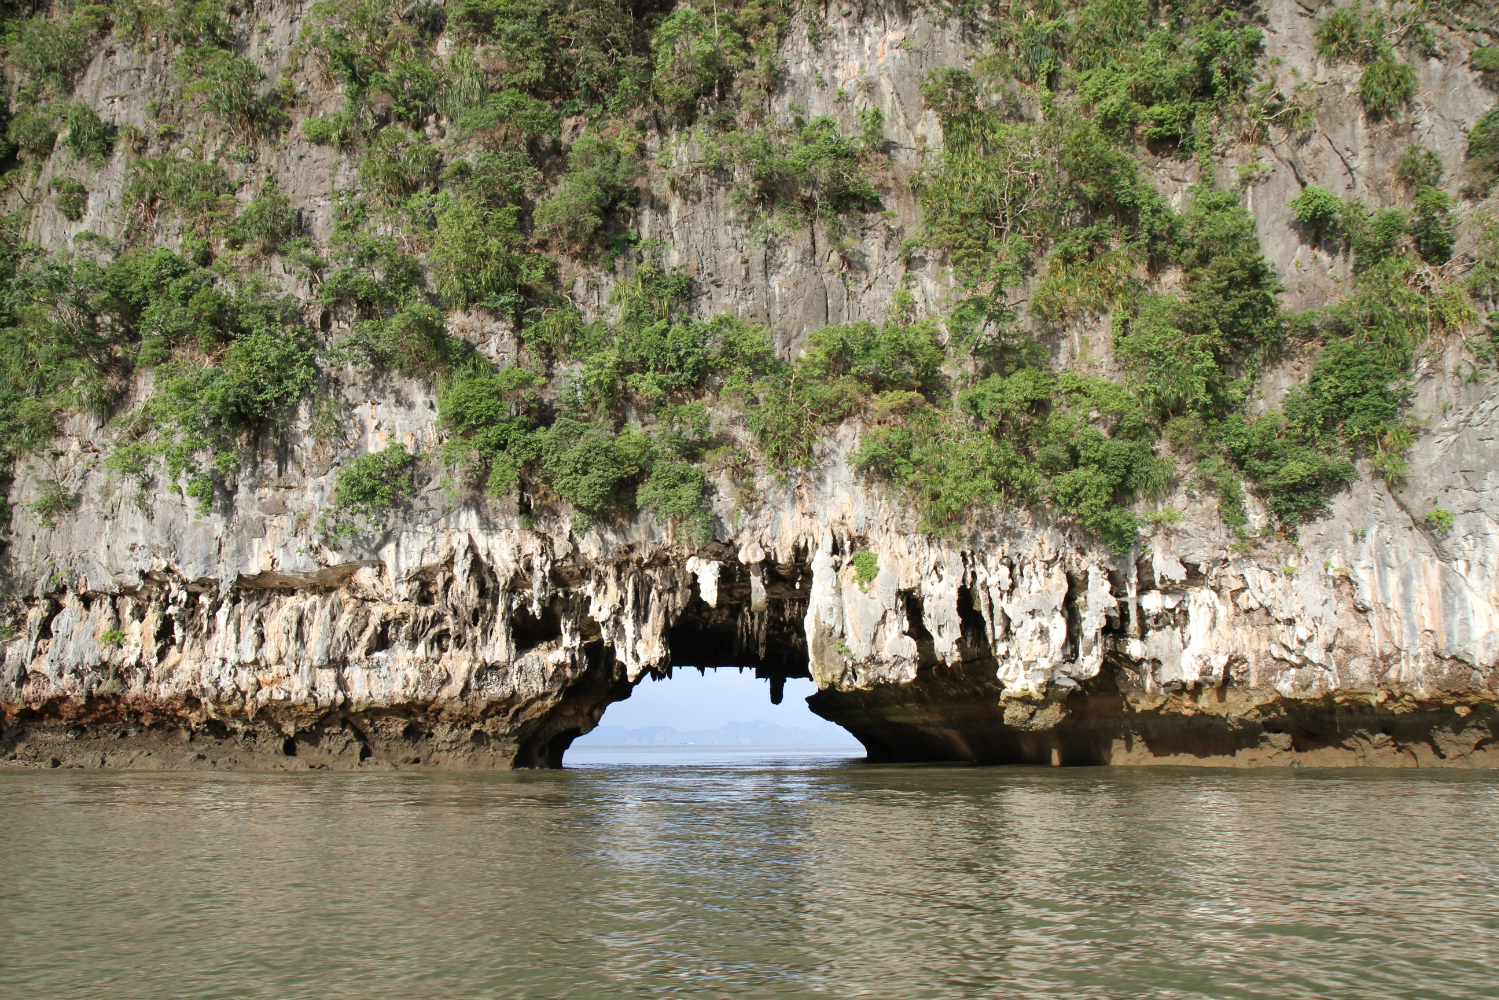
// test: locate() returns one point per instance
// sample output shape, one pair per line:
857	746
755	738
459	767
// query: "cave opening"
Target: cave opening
715	706
737	674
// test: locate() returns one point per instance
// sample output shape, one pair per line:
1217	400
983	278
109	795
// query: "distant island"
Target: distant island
732	734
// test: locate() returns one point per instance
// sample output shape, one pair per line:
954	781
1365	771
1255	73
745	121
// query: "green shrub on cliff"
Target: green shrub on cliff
1320	210
1387	86
228	356
1374	237
600	180
843	370
811	165
1004	194
1180	81
1353	395
597	53
88	137
57	346
70	196
1297	480
374	51
1182	351
1163	71
674	493
599	470
479	258
198	406
53	500
32	131
227	86
651	362
50	51
1352	404
491	417
367	488
376	275
398	163
1370	35
1350	34
614	57
169	187
341	129
1341	36
509	119
1433	231
413	342
1082	446
588	464
1191	356
1396	313
1428	228
266	223
653	355
198	22
692	59
160	299
496	180
1483	150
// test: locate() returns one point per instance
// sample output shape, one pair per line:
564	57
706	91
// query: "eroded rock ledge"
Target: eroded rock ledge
465	643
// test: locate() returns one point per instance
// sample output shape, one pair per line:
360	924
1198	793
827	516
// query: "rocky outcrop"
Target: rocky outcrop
463	639
466	634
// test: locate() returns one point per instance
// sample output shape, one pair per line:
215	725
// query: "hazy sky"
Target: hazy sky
691	701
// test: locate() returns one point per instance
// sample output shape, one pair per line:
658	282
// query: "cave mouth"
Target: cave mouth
720	706
738	672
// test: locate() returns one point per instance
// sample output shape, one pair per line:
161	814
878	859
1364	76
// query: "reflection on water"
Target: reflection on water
750	873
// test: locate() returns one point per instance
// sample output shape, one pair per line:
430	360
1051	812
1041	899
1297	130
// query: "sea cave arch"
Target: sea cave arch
749	617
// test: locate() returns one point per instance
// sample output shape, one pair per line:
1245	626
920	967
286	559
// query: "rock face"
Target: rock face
469	642
463	634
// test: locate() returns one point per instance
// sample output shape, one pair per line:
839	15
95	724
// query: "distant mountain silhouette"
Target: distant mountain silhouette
733	734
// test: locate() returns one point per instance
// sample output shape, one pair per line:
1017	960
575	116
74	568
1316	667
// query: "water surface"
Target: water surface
760	872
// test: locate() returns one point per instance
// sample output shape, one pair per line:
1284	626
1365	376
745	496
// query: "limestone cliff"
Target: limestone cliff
460	629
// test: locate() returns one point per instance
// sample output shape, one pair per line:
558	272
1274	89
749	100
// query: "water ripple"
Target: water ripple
769	874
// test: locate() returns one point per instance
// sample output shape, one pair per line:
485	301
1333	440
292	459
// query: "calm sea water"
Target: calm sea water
750	873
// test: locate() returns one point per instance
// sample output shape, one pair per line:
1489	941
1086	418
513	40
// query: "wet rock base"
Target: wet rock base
337	742
1221	727
1216	728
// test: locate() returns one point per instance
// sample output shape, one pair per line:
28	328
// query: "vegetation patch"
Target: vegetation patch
1370	37
70	197
367	488
1483	151
53	500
